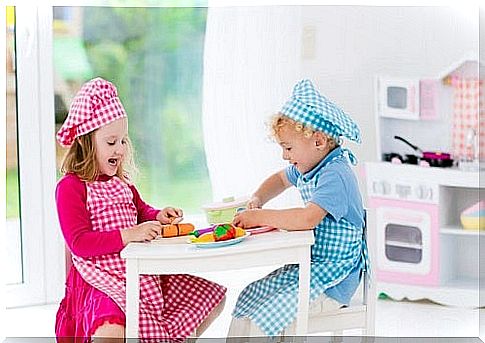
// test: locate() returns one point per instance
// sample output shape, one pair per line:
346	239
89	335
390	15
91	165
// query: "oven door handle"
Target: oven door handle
404	244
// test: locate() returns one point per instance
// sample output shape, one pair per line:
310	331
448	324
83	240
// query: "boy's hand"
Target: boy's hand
254	202
170	215
143	232
248	218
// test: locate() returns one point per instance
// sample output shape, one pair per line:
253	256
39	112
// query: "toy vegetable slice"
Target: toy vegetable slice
240	232
176	230
204	238
224	232
185	229
200	232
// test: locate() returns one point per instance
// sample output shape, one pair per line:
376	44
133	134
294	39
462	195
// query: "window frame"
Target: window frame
42	244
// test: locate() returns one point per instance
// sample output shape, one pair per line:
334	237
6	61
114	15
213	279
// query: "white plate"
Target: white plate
220	243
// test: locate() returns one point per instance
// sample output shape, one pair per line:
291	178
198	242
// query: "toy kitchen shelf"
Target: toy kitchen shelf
421	250
403	192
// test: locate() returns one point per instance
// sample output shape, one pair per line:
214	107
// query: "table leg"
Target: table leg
303	294
132	298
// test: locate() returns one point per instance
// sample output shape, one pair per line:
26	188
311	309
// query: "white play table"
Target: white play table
276	247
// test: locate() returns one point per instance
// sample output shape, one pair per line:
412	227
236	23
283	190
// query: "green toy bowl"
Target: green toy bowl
223	212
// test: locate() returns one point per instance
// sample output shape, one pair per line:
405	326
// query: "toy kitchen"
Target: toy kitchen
424	191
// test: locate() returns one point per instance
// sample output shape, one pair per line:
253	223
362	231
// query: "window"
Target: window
13	229
32	223
154	56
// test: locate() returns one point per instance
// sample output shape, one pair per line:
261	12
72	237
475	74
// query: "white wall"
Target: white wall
354	43
342	49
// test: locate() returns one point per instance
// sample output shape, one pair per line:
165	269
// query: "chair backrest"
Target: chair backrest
365	272
361	315
368	293
368	297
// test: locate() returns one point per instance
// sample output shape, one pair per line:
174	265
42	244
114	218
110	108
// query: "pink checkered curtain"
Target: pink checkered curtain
465	116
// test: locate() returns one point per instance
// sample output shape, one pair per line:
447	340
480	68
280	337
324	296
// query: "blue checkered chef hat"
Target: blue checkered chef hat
308	107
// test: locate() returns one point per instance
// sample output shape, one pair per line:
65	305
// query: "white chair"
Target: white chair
360	314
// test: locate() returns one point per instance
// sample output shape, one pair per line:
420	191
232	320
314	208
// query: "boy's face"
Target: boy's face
110	143
304	153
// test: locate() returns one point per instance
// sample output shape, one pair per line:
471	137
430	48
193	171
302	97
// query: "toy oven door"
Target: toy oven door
407	242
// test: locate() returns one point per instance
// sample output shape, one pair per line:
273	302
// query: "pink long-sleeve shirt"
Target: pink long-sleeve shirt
75	223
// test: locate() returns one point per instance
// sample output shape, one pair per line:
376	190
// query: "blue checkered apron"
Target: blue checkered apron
271	302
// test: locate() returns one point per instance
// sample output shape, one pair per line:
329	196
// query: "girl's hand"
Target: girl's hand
248	218
254	202
170	215
143	232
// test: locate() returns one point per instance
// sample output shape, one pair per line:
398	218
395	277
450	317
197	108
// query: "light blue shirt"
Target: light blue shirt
337	192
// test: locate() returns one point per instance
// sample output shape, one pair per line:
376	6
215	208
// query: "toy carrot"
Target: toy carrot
174	230
169	231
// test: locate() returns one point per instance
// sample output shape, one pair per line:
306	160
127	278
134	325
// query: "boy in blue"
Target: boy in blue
309	129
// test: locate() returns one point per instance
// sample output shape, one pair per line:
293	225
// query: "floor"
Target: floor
393	318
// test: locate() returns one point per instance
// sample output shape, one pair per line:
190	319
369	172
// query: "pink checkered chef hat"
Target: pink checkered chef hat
95	105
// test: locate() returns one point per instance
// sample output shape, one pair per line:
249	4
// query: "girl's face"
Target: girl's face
304	153
111	143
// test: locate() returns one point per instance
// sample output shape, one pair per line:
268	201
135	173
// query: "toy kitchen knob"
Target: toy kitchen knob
423	192
377	187
387	188
381	187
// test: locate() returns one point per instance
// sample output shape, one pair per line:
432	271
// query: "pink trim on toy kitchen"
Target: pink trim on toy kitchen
430	279
428	97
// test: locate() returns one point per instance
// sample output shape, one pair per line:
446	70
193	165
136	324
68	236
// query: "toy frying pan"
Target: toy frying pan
435	158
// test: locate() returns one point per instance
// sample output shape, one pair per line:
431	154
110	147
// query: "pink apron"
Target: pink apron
171	306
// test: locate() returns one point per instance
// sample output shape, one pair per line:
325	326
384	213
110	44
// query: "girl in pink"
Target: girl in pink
100	212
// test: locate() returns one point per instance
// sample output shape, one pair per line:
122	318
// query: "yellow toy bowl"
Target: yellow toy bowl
473	223
473	218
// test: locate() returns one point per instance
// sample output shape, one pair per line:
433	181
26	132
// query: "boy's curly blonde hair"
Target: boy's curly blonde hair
279	120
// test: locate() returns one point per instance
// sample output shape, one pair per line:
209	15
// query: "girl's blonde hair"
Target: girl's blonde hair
280	120
80	159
